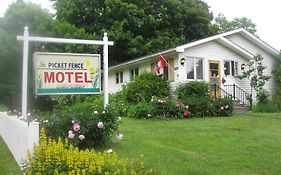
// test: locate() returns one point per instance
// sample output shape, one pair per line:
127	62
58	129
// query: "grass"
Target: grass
244	145
3	108
8	165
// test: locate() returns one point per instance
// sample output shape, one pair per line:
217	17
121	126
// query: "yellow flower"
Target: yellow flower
88	62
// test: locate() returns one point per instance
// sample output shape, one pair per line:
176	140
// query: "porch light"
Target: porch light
182	61
243	66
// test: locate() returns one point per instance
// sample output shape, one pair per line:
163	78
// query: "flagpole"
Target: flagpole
168	64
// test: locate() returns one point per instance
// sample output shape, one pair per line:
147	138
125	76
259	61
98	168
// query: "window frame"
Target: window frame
134	72
195	68
119	77
232	67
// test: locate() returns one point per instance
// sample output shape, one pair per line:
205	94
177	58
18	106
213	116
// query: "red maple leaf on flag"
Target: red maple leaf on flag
162	63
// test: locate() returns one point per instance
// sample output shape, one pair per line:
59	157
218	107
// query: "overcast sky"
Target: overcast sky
264	13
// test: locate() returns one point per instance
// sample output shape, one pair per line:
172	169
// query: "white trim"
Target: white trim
185	46
244	52
63	40
261	43
141	59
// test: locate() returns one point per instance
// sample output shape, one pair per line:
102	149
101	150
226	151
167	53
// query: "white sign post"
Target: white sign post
26	39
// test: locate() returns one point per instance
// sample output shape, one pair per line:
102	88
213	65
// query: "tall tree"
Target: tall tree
226	25
138	27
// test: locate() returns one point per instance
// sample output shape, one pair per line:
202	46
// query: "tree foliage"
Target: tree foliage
41	23
226	25
138	27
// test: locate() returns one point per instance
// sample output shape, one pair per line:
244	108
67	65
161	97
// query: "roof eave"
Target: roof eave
141	59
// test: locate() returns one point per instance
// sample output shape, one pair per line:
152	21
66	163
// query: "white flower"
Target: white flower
46	121
70	132
103	112
29	114
71	136
81	137
95	112
72	121
109	151
119	119
100	125
119	136
22	117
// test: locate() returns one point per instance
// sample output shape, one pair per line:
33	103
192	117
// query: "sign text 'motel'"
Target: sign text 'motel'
58	73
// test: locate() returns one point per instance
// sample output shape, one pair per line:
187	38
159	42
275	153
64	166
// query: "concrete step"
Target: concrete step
239	108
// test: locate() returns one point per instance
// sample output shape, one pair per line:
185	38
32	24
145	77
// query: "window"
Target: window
194	68
119	77
230	68
134	73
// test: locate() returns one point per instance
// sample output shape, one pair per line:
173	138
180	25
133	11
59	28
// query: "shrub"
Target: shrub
262	96
58	157
196	95
198	106
144	87
87	116
140	110
163	107
119	103
269	106
193	88
158	108
3	108
222	107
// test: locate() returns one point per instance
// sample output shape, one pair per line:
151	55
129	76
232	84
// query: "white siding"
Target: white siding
113	87
269	60
216	52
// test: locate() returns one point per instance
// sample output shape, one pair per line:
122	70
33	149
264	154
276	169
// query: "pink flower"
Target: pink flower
226	107
186	107
70	132
100	125
177	105
81	137
185	114
76	127
71	136
222	108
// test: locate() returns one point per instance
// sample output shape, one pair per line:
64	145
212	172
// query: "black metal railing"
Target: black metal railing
231	91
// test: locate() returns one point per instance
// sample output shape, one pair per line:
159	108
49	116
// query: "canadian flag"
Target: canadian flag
162	63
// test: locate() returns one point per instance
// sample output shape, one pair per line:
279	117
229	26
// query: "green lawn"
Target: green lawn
229	145
8	165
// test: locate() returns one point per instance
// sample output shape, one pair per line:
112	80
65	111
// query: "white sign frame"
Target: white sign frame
26	39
